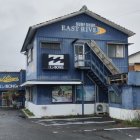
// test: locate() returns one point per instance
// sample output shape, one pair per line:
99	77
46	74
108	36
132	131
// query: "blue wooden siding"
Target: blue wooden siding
31	68
53	33
44	94
54	30
136	97
130	98
134	78
66	48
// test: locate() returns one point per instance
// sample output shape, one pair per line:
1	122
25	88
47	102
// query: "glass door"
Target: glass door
79	50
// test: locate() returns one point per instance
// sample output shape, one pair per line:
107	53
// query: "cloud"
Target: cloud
17	15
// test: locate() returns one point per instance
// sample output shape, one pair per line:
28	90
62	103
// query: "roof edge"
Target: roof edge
84	9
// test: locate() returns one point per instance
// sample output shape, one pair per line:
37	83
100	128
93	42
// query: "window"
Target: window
89	93
116	50
30	56
29	94
114	98
51	45
61	94
79	49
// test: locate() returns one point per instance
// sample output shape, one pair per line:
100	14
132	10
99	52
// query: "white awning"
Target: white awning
29	83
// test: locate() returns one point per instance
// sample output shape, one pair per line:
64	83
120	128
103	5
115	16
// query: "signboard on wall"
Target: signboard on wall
84	27
9	80
55	62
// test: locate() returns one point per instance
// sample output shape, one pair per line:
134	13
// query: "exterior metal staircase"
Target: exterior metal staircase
99	67
115	88
101	55
98	76
101	76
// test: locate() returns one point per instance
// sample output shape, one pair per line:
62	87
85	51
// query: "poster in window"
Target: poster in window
62	94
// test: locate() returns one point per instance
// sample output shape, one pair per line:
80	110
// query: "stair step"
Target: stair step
102	56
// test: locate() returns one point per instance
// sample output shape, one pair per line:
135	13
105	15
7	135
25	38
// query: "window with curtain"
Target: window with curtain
116	50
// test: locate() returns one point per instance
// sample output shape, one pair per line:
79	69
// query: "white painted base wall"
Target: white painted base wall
59	109
123	114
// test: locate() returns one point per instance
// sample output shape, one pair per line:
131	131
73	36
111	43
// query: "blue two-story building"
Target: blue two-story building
69	60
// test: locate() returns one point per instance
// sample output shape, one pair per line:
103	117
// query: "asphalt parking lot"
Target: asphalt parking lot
15	127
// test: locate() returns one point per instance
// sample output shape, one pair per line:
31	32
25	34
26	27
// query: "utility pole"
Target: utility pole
82	93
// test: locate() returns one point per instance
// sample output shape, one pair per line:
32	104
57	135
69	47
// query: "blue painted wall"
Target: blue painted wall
136	96
31	68
134	78
53	32
130	98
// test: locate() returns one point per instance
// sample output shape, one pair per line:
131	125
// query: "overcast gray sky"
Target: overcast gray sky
17	15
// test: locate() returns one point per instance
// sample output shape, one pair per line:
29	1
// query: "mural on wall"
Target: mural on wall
62	94
57	62
9	80
83	27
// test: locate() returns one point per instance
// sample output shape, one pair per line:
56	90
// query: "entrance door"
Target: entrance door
6	99
79	50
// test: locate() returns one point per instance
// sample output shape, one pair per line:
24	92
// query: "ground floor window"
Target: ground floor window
29	94
115	98
12	98
62	94
88	91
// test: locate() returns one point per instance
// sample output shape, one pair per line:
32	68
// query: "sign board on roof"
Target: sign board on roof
83	27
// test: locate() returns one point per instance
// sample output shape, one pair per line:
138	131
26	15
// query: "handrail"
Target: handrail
101	76
102	56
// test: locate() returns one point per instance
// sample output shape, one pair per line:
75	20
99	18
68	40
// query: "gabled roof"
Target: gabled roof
83	10
131	55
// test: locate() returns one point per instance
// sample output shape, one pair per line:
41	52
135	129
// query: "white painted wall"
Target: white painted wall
59	109
134	58
124	114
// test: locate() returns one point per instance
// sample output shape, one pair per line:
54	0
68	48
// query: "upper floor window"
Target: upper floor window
51	45
116	50
30	56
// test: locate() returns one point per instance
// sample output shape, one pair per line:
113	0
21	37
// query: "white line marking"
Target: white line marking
69	119
130	135
125	128
55	132
88	130
74	123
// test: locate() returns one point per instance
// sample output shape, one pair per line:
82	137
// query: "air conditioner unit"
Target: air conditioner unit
101	108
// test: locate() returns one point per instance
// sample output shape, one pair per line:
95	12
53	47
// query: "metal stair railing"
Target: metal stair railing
102	56
98	72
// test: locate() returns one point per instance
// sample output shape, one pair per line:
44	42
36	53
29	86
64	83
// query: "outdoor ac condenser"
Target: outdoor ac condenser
101	108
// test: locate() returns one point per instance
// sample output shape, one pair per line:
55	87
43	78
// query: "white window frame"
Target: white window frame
30	56
115	47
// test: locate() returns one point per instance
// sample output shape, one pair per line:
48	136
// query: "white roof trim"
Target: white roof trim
28	83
